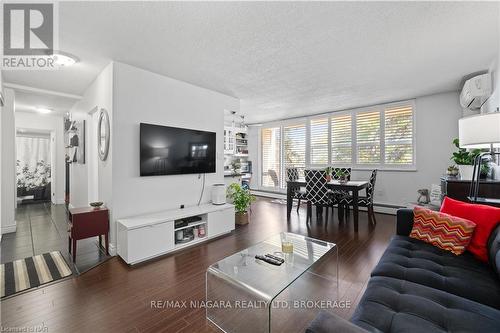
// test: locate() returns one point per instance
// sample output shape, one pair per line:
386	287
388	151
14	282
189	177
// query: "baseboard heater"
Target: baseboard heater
385	208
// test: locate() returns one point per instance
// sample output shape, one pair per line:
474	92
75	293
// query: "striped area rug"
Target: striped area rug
19	275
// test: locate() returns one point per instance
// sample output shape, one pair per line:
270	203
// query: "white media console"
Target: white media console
147	236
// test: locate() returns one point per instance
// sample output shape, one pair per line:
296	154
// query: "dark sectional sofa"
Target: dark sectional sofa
417	287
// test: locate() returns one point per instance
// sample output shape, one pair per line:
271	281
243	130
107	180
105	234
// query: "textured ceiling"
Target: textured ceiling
282	59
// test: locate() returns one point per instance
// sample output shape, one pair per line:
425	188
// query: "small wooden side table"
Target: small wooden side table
87	222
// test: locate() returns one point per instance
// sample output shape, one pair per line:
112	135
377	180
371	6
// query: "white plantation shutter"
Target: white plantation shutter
319	141
294	147
381	136
341	139
398	138
368	137
271	158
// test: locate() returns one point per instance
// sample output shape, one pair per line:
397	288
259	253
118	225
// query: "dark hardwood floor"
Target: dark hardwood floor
114	297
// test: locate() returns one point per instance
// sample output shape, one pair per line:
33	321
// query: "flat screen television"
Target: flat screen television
173	151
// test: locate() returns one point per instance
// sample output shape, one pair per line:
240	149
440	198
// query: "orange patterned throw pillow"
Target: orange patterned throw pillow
445	231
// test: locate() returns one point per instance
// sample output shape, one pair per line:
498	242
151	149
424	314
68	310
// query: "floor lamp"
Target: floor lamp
480	131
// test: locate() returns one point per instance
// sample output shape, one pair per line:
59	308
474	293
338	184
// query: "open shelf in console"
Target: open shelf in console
190	222
189	229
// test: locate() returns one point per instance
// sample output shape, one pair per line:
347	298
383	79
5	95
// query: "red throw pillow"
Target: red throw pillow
485	218
447	232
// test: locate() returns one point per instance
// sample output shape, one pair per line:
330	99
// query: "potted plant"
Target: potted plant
241	199
465	160
328	171
341	175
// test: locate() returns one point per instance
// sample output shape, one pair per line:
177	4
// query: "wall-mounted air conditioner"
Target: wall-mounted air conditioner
476	91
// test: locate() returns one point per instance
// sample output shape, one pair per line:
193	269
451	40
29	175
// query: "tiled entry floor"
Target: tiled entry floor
41	228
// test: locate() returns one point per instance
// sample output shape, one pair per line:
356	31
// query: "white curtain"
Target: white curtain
33	161
31	150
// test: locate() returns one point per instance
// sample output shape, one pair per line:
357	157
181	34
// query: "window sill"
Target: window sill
382	169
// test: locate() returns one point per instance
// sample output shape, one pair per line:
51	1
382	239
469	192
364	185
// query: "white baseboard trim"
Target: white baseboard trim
112	249
382	208
60	201
274	195
9	228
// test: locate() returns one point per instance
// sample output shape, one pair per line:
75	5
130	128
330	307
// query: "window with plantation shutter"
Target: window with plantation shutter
271	158
341	127
319	141
375	137
368	145
398	135
294	147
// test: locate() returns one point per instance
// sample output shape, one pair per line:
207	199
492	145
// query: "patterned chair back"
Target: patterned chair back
292	174
274	177
347	171
316	189
371	187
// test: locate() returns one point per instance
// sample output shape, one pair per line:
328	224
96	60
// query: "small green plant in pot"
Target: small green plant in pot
328	171
341	175
464	159
241	199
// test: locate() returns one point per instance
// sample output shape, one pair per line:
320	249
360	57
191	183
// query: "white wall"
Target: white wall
35	121
1	159
493	103
98	95
436	126
8	161
142	96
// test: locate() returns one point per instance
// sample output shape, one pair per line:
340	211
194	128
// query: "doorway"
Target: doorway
34	166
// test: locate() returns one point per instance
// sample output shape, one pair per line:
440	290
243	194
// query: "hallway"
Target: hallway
41	228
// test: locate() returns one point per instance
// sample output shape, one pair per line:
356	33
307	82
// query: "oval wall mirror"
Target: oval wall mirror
103	135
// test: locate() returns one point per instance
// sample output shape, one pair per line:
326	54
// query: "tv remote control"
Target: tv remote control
268	260
275	258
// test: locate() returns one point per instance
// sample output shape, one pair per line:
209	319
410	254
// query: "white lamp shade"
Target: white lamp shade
479	131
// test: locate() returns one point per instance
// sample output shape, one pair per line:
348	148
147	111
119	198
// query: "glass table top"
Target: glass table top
267	280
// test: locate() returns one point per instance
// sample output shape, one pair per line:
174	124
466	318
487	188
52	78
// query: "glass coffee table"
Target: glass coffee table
242	291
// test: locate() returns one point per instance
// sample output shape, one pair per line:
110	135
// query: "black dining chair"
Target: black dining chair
366	201
297	192
317	192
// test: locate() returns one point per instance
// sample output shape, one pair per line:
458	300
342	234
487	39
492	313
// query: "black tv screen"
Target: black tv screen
174	151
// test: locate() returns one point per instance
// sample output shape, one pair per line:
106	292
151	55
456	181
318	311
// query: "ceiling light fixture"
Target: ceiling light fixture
43	110
63	59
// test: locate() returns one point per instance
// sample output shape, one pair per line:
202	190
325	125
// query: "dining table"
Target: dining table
352	186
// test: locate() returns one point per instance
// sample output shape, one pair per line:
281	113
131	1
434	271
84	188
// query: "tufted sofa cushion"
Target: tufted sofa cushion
494	250
415	261
393	305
